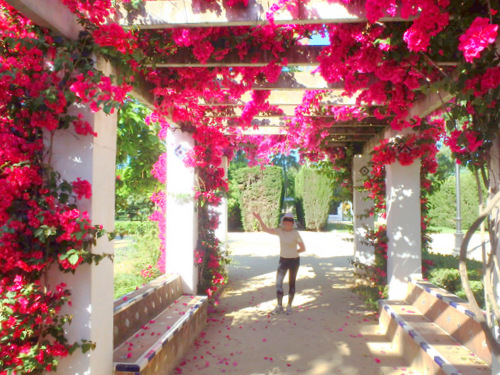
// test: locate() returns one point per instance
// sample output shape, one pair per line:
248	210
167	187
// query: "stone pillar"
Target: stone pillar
221	231
182	219
91	159
404	253
362	223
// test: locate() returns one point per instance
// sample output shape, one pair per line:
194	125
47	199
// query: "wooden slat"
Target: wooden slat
288	97
235	111
335	125
295	55
51	14
195	13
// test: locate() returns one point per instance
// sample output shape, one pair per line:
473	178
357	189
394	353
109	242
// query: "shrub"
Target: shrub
444	273
446	278
260	191
233	214
133	228
313	195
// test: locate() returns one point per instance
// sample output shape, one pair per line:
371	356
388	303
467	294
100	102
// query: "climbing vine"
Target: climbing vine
447	45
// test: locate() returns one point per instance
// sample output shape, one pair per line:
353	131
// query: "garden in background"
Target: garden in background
313	192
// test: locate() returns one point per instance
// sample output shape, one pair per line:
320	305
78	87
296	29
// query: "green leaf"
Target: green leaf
73	259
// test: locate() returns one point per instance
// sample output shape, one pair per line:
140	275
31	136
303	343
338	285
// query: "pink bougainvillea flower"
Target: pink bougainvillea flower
478	36
82	188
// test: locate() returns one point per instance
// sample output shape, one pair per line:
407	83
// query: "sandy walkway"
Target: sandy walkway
329	332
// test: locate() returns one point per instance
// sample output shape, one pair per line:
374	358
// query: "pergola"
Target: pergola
287	92
94	159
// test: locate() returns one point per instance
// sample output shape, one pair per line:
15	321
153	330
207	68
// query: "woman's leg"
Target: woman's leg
280	276
292	276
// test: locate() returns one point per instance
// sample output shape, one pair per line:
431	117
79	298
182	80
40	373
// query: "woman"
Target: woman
291	245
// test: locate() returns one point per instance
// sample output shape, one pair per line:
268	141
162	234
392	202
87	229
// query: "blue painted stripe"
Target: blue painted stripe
127	367
151	355
469	313
439	361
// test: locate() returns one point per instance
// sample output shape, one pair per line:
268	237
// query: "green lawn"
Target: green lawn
132	255
339	226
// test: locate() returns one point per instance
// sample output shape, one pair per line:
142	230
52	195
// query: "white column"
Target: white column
221	231
182	219
362	223
91	159
404	253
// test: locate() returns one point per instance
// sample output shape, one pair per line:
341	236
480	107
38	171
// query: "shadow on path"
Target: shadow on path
329	332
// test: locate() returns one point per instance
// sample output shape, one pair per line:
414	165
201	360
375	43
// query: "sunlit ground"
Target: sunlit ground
329	331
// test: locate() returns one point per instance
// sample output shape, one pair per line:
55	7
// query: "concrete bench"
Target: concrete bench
154	326
435	332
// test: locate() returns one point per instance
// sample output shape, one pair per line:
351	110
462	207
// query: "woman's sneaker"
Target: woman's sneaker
288	310
277	310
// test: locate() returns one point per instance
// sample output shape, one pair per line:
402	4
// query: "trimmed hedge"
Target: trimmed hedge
442	203
313	196
260	191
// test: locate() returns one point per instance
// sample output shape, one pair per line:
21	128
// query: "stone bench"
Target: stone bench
435	332
154	326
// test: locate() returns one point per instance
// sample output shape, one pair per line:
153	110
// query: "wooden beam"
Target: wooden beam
143	92
369	122
261	130
346	139
299	81
421	108
286	110
296	56
277	122
288	97
337	144
195	13
353	131
51	14
429	104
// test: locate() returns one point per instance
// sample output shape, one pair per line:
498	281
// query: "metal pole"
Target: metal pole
459	236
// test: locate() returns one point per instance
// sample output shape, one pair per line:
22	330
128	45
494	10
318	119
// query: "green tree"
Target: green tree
340	182
261	191
442	211
233	201
313	195
138	148
289	165
446	166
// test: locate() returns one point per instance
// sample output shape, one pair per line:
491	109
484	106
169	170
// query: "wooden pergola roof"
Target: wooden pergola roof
287	91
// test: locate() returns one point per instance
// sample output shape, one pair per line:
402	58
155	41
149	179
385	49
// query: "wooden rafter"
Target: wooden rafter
282	122
287	97
287	110
192	13
296	56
